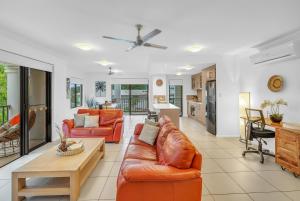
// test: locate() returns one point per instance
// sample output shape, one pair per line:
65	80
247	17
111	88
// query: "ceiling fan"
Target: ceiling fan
110	71
140	41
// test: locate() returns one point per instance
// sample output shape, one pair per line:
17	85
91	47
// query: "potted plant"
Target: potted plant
90	103
275	114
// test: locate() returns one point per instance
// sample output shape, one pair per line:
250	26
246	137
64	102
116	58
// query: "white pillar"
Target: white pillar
13	89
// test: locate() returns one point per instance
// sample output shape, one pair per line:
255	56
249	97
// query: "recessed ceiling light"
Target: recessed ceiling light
194	48
179	73
105	63
116	71
84	46
186	67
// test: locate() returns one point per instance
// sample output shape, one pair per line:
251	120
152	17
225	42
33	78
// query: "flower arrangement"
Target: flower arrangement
275	114
63	139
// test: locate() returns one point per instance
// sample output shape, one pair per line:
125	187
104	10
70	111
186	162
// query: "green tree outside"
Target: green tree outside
3	89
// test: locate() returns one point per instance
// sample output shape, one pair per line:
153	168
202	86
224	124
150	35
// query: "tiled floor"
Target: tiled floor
227	176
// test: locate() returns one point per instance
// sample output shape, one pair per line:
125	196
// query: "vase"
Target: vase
276	119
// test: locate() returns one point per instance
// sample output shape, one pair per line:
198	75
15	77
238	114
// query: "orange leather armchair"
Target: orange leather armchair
168	171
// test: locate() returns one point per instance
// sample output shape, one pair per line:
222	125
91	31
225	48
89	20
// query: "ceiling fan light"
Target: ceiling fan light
84	46
194	48
105	63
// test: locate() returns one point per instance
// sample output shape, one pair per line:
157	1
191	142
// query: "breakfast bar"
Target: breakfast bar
168	109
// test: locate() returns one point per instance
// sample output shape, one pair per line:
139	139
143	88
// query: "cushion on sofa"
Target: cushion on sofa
150	122
102	131
163	134
141	152
135	140
177	151
91	121
109	116
89	111
79	120
149	134
163	120
77	132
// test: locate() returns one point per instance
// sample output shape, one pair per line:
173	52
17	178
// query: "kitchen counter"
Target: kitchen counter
158	106
168	109
194	102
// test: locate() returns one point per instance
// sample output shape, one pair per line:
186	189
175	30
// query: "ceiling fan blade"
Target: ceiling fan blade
155	46
151	35
119	39
131	47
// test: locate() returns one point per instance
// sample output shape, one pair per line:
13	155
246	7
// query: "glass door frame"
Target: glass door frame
181	95
130	112
24	110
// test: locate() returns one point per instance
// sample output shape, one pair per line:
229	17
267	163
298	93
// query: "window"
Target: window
76	95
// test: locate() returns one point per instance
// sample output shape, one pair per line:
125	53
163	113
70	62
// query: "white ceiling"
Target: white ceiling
223	26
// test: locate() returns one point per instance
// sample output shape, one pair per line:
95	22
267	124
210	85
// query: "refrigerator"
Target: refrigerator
211	122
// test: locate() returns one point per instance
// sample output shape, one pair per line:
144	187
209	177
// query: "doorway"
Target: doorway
175	96
131	98
25	110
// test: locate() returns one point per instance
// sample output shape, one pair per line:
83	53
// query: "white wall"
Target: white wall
227	97
16	44
254	79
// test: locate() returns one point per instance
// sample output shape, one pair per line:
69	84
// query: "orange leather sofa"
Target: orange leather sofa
110	125
168	171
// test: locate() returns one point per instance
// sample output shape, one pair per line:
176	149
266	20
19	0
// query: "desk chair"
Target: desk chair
256	130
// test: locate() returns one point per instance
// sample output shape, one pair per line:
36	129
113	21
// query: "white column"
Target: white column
13	89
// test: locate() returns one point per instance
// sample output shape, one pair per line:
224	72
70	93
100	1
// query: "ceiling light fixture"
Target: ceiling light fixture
186	67
105	63
116	70
179	73
194	48
84	46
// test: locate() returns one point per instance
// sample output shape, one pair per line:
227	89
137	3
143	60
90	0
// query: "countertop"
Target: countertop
194	102
158	106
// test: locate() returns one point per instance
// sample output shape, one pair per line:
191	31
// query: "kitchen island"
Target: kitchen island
168	109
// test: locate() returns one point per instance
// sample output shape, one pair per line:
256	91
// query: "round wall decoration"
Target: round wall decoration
275	83
159	82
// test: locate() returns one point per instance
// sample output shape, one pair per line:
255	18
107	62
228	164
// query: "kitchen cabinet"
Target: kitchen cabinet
197	81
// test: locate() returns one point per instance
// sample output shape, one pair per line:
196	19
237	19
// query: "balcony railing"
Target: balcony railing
4	114
135	105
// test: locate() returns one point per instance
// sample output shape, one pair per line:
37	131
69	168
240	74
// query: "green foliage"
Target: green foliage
3	86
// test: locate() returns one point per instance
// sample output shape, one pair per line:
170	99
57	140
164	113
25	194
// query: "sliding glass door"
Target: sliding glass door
10	131
25	110
175	96
132	98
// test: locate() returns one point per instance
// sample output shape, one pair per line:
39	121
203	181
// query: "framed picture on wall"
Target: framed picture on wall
100	89
68	83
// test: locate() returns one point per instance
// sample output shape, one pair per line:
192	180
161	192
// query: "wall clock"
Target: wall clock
159	82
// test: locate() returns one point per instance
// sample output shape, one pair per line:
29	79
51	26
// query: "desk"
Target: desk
287	144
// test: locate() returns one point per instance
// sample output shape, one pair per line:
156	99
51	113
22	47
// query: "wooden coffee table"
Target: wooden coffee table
74	170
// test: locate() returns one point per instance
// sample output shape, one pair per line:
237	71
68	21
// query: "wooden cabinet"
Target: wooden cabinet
197	81
287	149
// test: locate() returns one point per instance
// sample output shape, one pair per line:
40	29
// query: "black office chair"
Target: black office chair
256	130
152	115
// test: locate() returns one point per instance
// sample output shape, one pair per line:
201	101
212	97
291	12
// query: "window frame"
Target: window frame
78	88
